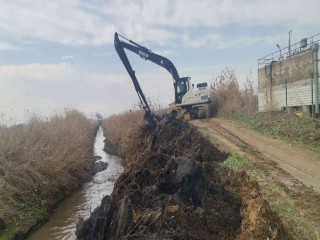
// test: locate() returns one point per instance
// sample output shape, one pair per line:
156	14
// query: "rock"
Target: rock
125	219
184	177
100	166
107	221
101	218
96	158
2	172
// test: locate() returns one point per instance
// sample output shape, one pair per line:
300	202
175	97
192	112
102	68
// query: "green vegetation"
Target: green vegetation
8	233
289	127
237	162
41	162
35	211
277	197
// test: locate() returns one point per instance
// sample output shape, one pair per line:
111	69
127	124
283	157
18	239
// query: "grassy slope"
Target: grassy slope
40	164
289	127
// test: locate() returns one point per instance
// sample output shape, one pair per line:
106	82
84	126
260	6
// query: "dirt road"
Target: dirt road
271	154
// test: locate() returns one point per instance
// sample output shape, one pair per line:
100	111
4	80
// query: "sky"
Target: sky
60	54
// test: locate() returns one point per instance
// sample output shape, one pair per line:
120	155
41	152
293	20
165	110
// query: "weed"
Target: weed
237	162
8	233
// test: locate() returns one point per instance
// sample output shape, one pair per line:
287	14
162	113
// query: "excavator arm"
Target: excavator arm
185	96
120	45
146	54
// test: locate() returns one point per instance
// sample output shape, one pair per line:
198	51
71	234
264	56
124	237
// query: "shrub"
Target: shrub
229	99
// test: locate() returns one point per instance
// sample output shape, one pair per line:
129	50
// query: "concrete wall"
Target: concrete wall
297	70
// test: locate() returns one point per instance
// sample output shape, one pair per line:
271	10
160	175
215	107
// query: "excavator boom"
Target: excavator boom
185	97
120	45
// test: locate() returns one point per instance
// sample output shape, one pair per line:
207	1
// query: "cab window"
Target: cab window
182	86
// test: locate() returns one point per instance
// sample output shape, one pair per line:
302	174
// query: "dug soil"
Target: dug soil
174	188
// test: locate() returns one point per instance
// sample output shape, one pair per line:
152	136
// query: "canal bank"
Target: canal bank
62	223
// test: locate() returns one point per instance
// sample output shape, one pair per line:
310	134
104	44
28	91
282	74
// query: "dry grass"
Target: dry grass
41	162
122	130
228	98
241	104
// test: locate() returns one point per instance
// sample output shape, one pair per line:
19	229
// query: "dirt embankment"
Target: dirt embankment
284	172
173	188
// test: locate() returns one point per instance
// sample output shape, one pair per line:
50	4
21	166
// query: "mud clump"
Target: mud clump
2	224
174	189
100	166
178	201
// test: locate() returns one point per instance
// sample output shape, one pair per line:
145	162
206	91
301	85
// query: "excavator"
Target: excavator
187	97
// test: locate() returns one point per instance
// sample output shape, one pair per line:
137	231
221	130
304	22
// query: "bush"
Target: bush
229	99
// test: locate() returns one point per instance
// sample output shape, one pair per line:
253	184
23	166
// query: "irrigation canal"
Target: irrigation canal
62	223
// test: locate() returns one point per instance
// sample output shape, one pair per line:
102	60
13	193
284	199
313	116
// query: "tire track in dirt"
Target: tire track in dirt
305	198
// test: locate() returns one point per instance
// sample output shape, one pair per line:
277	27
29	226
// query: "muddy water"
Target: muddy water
62	223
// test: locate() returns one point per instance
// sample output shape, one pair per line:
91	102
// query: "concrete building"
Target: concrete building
290	81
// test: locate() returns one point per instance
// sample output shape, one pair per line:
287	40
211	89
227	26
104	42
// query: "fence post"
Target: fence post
312	107
315	48
286	81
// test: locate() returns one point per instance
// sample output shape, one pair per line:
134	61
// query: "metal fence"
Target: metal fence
289	51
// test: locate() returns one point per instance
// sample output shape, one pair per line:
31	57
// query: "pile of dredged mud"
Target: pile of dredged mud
176	189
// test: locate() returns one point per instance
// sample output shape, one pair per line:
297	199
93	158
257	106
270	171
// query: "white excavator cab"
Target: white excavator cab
192	98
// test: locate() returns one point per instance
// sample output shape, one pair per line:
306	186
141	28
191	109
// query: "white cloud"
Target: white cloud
57	21
245	41
67	57
214	13
164	53
76	22
160	21
8	46
35	72
103	54
46	87
201	41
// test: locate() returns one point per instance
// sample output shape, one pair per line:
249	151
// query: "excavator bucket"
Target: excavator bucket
149	120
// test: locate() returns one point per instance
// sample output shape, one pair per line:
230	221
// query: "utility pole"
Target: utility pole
315	47
289	43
